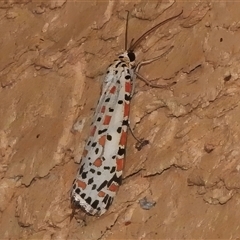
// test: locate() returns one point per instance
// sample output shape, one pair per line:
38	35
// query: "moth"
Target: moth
100	171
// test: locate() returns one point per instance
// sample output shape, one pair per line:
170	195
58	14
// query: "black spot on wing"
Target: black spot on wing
96	150
115	179
83	195
104	183
119	130
95	204
102	131
81	169
121	151
89	200
90	181
113	170
127	97
118	64
109	202
125	122
84	175
105	198
77	190
109	137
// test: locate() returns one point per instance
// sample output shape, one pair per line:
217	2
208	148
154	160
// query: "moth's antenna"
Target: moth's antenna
126	31
136	43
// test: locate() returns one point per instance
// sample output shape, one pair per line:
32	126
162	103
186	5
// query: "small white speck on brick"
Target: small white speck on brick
78	125
145	204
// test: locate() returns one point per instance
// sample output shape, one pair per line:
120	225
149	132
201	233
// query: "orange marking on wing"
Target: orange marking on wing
85	152
101	194
113	90
93	131
120	163
103	109
126	109
113	187
97	162
102	140
107	120
123	138
81	184
128	87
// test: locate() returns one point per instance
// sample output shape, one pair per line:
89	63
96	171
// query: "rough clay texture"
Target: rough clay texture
53	58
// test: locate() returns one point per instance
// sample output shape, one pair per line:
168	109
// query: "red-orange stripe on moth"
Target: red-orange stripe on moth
97	162
126	109
113	90
107	120
120	163
103	109
123	138
81	184
113	187
102	140
101	194
128	87
93	131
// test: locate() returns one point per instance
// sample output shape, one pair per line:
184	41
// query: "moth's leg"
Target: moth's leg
148	62
79	215
141	142
133	85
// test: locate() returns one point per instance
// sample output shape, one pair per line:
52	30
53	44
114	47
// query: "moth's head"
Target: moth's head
128	57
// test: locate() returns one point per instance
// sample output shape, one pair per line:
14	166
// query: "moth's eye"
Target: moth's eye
131	56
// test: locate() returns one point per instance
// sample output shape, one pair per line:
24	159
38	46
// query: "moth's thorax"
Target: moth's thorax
128	58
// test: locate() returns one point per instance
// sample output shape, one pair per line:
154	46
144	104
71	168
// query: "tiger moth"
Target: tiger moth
100	171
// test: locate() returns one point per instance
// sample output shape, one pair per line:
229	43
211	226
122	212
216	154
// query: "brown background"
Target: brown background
52	61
